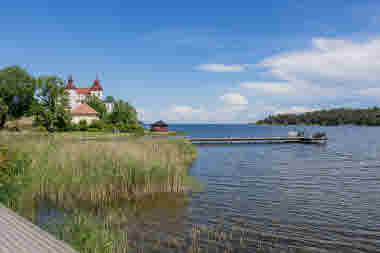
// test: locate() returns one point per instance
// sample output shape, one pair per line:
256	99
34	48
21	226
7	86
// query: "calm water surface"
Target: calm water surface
312	193
321	196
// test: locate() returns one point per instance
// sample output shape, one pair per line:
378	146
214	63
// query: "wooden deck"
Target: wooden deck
257	140
17	235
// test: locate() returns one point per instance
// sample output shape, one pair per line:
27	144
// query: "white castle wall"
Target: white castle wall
88	118
98	94
73	97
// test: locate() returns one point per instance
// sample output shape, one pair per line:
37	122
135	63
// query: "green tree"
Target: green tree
123	113
98	105
110	99
3	113
17	90
52	111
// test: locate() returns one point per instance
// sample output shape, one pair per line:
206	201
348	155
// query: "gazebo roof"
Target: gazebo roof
160	123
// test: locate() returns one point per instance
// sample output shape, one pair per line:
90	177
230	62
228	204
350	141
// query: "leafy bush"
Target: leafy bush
75	127
42	129
108	127
83	125
139	131
97	124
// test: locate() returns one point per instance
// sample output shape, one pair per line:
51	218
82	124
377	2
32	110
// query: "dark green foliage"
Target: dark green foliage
333	117
98	124
139	131
47	99
74	127
17	89
98	105
83	125
3	113
124	116
52	110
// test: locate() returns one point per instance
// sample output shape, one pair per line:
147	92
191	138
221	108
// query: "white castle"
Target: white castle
78	98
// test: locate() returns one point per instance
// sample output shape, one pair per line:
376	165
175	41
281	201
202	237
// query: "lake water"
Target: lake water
317	196
312	194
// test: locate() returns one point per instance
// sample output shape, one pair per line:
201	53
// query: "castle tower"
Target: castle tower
96	89
72	92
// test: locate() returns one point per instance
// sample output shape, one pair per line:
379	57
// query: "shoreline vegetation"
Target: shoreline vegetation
333	117
27	126
97	172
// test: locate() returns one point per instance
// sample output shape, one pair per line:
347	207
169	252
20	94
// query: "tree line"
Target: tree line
46	98
332	117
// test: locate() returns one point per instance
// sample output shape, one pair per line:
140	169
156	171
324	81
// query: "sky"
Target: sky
204	61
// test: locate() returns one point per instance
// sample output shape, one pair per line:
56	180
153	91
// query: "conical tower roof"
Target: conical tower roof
70	84
96	86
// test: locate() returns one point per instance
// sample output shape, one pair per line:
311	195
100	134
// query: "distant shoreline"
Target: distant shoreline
332	117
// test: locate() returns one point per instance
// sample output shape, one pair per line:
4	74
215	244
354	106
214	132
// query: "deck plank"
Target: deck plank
19	235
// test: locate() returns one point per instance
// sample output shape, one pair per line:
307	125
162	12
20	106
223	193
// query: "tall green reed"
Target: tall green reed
70	172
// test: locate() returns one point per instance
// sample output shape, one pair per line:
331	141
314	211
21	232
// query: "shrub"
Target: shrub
42	129
108	127
139	131
83	125
97	124
74	127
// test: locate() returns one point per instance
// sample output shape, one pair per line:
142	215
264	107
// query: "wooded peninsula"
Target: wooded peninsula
332	117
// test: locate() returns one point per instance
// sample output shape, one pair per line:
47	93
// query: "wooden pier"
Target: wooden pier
258	140
18	235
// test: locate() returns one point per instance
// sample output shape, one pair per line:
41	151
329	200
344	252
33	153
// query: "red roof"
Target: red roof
70	84
83	109
96	86
83	90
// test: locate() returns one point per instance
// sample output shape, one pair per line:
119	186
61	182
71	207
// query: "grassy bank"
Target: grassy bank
97	172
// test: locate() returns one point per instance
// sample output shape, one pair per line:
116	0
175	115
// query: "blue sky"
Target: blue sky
204	61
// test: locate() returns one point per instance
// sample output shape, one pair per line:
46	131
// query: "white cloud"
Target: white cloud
222	68
295	110
269	87
184	109
182	113
370	92
224	114
234	99
329	63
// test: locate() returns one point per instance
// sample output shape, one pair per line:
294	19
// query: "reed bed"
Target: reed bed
98	173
